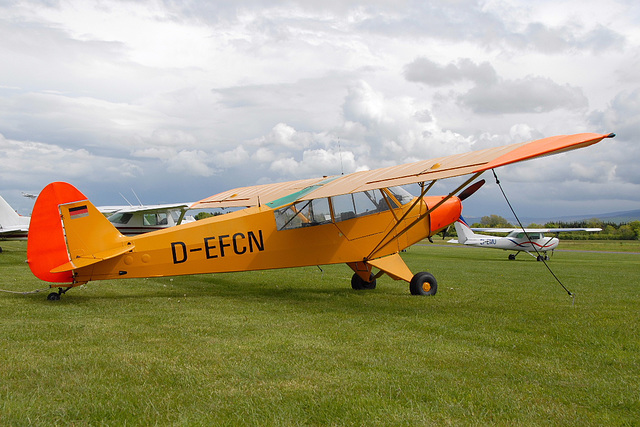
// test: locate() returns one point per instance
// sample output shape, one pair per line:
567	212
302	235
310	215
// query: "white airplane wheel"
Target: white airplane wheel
423	283
358	284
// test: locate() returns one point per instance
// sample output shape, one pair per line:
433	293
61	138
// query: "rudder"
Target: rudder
46	245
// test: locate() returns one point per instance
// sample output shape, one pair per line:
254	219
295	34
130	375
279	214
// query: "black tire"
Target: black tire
358	284
512	257
540	258
423	283
53	296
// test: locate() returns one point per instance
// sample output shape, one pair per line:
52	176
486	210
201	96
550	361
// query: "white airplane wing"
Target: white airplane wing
10	231
535	230
149	208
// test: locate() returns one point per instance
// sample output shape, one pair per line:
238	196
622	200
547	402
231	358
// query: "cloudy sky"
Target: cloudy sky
179	100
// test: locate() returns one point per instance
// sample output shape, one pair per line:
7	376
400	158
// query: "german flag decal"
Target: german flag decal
78	212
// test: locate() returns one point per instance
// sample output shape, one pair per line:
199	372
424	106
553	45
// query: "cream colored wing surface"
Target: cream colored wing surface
421	171
454	165
254	195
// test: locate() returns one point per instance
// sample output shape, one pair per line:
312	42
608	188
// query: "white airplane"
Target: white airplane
12	225
134	220
529	240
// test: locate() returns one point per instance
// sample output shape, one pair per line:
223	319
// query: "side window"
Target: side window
303	214
120	218
150	219
162	219
349	206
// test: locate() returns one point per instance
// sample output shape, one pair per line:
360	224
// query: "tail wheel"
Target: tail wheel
423	283
358	283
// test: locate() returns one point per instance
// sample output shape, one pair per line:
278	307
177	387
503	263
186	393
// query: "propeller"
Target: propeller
470	190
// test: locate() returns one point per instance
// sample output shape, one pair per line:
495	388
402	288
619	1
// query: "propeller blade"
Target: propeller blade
470	190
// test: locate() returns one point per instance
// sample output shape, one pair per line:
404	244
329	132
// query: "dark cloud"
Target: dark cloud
492	94
622	116
528	95
424	70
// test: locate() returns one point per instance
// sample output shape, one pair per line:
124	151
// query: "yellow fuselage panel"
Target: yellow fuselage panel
249	240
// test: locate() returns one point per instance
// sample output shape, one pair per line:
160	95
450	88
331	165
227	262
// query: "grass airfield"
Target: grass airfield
501	343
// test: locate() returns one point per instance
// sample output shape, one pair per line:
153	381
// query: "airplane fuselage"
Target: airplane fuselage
255	239
537	242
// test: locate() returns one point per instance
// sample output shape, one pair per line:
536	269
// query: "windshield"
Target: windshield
402	196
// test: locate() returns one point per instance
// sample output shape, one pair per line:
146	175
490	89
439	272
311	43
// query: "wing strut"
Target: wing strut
384	244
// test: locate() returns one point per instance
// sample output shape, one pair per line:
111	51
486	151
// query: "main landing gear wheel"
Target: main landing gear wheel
543	257
423	283
358	283
512	257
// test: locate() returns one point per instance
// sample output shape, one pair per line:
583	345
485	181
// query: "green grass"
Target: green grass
501	343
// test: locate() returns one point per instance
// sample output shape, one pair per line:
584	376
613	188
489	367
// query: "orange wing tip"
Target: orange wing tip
544	147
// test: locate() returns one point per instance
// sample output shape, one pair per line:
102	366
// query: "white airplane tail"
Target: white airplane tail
9	217
463	230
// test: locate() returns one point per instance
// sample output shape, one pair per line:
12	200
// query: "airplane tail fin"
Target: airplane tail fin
9	217
67	232
463	230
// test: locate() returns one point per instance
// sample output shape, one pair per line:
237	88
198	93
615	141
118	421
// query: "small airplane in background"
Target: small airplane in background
529	240
12	225
134	220
363	219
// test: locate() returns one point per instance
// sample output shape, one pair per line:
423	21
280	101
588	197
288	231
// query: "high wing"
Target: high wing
474	162
535	230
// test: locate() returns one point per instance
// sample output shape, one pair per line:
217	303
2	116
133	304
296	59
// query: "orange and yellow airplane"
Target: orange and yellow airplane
363	219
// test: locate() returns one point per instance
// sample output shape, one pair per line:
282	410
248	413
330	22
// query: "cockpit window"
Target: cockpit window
522	235
349	206
303	214
120	218
155	219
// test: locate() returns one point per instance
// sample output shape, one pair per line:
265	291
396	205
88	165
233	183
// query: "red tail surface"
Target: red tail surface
46	246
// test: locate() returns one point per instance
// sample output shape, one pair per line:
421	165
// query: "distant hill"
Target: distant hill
614	217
